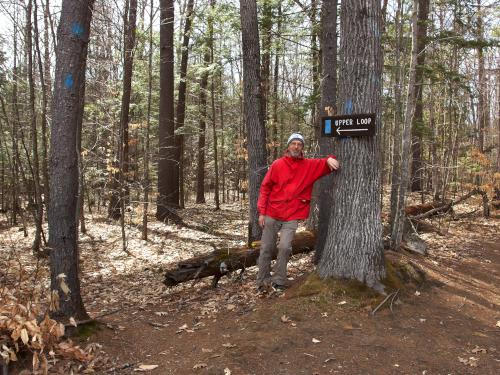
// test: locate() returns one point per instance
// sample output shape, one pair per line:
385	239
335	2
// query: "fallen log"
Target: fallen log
449	206
436	207
222	261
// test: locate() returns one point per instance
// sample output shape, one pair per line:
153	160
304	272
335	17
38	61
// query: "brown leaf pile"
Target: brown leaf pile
21	330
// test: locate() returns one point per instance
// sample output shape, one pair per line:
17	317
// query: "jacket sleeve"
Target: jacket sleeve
320	167
265	190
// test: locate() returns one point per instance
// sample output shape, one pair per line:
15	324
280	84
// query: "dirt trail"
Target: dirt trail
448	326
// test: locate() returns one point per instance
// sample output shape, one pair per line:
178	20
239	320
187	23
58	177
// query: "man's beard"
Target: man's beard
295	154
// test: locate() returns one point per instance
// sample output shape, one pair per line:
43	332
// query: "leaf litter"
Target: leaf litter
134	284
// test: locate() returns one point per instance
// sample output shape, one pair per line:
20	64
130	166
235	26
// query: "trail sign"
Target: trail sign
348	125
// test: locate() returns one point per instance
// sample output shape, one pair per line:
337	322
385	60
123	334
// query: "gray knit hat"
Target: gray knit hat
296	137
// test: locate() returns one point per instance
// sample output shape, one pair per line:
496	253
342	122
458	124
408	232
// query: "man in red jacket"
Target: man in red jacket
285	196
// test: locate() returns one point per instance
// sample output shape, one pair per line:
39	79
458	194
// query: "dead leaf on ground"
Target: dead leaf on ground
227	371
285	319
144	368
229	345
315	340
471	361
477	349
199	366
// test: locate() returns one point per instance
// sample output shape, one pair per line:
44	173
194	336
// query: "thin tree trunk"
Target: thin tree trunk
481	106
200	174
44	72
266	27
168	168
275	139
147	181
181	101
418	118
221	114
399	218
214	113
398	116
35	164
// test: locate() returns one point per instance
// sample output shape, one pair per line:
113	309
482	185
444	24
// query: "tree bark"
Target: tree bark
398	116
147	182
212	99
322	197
482	103
35	163
73	36
353	247
418	118
200	172
168	168
397	221
181	101
254	119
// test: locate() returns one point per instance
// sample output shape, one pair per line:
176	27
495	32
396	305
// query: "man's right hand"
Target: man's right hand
262	220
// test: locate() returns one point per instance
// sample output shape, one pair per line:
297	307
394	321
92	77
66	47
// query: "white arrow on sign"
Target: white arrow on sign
350	130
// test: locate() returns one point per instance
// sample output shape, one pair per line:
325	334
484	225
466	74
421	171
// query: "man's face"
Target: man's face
295	148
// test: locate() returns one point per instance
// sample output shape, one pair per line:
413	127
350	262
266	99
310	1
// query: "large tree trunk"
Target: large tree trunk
322	197
181	101
254	119
73	37
418	118
168	169
353	247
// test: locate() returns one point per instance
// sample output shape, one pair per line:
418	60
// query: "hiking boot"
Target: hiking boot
261	290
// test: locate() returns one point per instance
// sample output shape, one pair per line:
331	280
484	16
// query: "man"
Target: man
284	199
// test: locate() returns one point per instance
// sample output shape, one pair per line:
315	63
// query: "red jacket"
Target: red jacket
286	190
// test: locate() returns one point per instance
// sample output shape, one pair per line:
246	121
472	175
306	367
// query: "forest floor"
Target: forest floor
450	324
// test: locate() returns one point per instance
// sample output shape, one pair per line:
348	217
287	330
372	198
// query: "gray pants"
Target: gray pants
268	248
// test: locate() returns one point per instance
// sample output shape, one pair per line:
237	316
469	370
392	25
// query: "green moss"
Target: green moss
84	331
329	292
401	274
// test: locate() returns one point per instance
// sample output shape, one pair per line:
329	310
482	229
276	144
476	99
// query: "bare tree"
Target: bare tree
73	37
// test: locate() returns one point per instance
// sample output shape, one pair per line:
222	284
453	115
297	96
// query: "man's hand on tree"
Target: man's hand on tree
261	220
333	164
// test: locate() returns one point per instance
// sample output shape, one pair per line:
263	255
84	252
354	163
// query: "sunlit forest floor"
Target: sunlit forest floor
450	324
